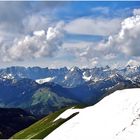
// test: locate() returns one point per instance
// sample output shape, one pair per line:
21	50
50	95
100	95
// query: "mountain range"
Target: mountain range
69	77
43	90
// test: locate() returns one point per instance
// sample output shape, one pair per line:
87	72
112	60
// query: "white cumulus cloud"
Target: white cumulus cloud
126	41
119	48
40	44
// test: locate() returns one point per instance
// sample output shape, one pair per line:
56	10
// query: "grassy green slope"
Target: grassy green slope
42	128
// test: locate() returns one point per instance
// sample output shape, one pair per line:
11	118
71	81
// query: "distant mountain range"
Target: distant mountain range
43	90
69	77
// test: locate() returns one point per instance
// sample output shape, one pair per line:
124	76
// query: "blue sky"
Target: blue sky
57	34
84	9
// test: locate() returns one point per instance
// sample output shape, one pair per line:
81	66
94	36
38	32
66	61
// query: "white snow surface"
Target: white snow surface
86	78
116	117
67	113
48	79
8	76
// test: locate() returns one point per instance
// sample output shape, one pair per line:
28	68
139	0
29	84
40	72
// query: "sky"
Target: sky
57	34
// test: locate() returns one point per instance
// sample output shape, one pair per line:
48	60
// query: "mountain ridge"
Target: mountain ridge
68	77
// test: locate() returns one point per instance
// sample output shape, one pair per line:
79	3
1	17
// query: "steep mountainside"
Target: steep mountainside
116	117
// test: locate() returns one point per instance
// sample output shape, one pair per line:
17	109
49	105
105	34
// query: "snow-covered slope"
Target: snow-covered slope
116	117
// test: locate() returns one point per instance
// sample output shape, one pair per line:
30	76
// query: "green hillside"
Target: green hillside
44	101
42	128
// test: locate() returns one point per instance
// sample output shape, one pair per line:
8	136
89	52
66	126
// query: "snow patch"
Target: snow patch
48	79
65	77
67	113
86	78
72	69
8	76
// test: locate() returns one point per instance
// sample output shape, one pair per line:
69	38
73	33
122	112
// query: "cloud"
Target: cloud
110	56
40	44
90	26
119	48
127	40
136	11
23	17
11	15
29	31
39	33
34	22
133	62
124	44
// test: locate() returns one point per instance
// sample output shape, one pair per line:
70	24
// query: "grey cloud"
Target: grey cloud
16	16
11	15
90	26
35	22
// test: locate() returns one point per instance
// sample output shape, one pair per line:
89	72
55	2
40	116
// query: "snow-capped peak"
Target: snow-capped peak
116	117
8	76
74	69
85	77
